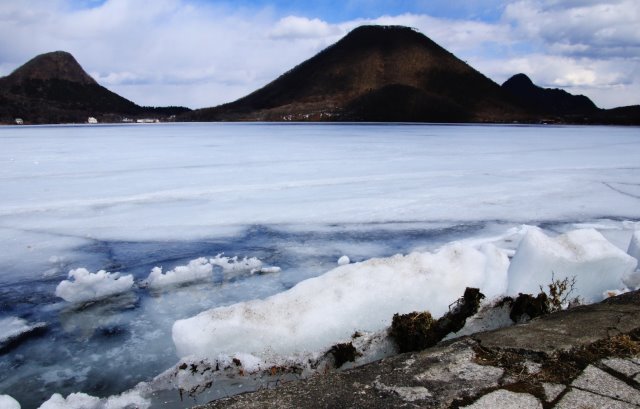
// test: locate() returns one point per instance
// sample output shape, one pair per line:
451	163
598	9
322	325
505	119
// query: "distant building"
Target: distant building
19	121
92	120
127	120
148	121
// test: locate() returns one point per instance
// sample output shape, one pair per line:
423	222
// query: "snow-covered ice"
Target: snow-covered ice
287	199
84	286
82	185
363	296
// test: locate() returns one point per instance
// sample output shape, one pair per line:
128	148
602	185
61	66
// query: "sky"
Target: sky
201	53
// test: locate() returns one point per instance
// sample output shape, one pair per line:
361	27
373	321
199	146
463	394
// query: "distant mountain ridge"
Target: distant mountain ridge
547	101
375	73
54	88
559	105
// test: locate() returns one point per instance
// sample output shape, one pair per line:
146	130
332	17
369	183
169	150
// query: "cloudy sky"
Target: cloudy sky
201	53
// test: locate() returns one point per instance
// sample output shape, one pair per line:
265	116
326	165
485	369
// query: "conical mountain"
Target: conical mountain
57	65
375	73
54	88
551	101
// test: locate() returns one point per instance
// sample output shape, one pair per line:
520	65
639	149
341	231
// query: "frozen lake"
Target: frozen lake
294	196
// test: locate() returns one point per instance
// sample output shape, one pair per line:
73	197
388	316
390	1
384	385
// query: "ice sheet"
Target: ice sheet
193	181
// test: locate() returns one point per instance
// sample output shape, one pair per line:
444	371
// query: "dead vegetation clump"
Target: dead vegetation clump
557	298
526	307
418	330
566	365
412	332
560	292
343	353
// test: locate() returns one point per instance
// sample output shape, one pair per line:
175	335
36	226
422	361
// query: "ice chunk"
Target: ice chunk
92	286
269	270
614	293
494	284
130	399
632	280
634	245
343	260
14	327
73	401
322	310
232	266
596	264
197	270
7	402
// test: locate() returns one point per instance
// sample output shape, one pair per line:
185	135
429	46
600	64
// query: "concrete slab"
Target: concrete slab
552	390
433	378
599	382
624	366
506	400
576	398
565	330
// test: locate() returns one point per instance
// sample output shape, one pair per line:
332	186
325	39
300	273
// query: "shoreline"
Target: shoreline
547	361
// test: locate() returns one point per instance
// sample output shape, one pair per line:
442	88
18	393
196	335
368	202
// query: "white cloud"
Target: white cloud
455	35
181	52
586	28
293	27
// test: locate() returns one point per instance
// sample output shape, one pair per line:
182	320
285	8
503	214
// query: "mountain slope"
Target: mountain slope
547	100
375	73
53	88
